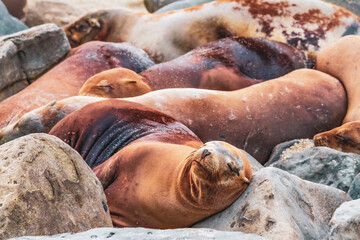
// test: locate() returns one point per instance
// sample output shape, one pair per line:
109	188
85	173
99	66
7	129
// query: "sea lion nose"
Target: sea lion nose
320	140
205	153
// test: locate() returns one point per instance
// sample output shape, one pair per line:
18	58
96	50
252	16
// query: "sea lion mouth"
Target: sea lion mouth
202	167
73	43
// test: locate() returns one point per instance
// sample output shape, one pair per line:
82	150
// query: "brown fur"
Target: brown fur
341	60
162	177
345	138
66	78
15	7
114	83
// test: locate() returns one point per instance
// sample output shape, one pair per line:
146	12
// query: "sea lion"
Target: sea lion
16	7
155	172
345	138
227	64
66	78
256	118
307	24
342	61
114	83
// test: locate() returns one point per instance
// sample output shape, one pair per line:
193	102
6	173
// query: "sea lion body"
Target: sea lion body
342	61
256	118
66	78
345	138
307	24
154	171
227	64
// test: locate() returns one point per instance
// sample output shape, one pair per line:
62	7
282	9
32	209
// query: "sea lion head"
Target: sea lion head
222	164
115	83
345	138
90	27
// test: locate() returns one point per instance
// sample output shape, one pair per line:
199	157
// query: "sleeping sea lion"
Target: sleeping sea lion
155	172
66	78
114	83
345	138
256	118
341	59
306	24
227	64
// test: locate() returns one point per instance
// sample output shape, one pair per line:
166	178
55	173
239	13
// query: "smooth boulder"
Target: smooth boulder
345	223
149	234
46	188
26	55
8	23
279	205
322	165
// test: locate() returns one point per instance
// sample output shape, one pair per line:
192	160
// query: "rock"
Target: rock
345	223
46	188
352	5
354	190
287	148
255	165
323	165
278	205
26	55
13	89
63	12
15	7
181	4
149	234
154	5
9	24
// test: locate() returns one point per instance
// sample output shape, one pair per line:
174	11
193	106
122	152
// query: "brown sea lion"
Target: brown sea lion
227	64
66	78
342	59
345	138
15	7
307	24
256	119
114	83
155	172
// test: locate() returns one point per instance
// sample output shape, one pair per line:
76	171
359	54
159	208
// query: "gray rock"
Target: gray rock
323	165
354	190
9	24
181	4
46	188
28	54
345	223
352	5
280	148
278	205
149	234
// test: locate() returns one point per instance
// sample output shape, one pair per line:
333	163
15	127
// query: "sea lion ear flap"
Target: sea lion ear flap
94	22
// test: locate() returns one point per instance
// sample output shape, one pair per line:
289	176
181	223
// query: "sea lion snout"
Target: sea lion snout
321	140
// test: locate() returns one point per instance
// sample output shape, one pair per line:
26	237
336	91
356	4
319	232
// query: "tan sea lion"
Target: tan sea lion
66	78
307	24
114	83
345	138
256	118
227	64
155	172
341	60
